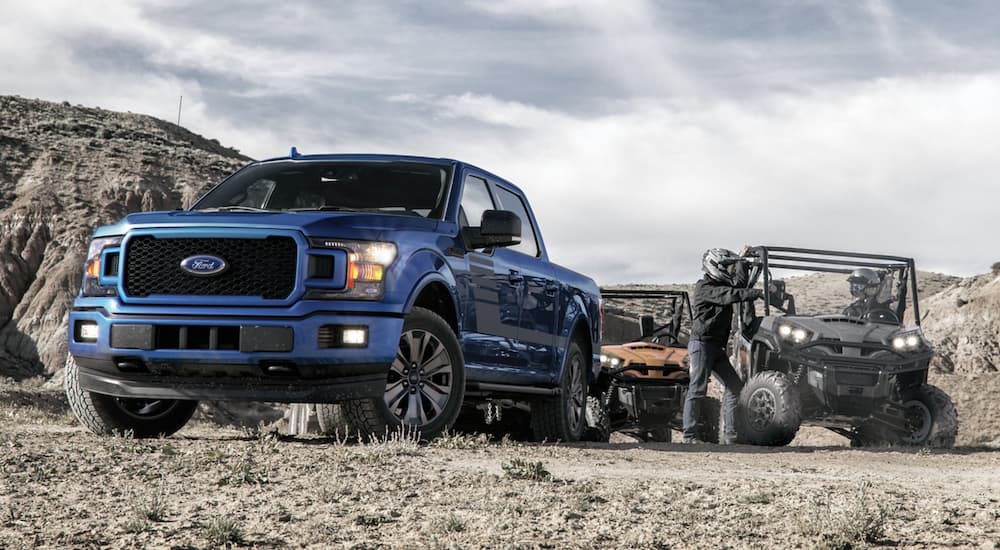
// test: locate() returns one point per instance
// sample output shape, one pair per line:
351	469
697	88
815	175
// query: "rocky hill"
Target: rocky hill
64	170
964	323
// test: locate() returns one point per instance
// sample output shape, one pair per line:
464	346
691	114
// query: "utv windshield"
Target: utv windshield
396	188
870	287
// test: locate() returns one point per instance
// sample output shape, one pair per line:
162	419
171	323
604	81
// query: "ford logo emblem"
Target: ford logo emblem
204	266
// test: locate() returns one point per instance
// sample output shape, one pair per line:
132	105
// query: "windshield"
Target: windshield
397	188
869	287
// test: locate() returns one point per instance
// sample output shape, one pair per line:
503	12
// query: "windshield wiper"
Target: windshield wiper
331	208
235	208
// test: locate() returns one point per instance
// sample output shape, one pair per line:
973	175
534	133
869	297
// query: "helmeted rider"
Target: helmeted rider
712	308
865	286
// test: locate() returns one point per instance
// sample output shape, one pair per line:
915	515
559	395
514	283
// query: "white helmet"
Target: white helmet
719	264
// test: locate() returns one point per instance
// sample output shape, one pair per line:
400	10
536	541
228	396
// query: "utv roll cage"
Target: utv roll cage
679	304
764	258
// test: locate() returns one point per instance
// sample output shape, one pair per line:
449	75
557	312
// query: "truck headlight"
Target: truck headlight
100	272
793	333
908	340
367	263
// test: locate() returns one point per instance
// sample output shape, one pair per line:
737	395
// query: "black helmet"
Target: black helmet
865	282
719	264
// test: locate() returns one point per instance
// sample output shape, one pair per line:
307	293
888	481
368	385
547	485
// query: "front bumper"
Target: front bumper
858	386
282	359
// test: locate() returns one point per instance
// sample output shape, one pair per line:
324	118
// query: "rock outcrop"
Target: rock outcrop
63	171
963	322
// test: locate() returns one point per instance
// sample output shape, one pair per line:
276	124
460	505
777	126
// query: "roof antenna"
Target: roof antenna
294	153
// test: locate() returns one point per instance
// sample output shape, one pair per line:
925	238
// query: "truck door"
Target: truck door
492	306
539	292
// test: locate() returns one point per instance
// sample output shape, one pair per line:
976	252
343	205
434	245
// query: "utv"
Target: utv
644	382
861	373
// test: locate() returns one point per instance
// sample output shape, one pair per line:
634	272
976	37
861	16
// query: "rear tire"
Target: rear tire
425	384
931	416
598	423
333	421
659	435
107	415
563	417
769	411
710	424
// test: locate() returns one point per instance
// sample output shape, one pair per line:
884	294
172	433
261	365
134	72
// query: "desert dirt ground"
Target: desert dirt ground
210	486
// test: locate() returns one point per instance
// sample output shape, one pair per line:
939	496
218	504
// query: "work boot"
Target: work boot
692	440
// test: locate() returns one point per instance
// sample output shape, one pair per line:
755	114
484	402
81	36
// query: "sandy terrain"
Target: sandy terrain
210	486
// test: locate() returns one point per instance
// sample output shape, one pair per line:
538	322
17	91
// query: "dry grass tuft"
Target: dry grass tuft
519	468
223	530
854	519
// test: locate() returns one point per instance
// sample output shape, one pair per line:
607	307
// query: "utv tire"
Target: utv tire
563	417
932	418
769	411
333	421
598	424
107	415
710	423
425	383
658	435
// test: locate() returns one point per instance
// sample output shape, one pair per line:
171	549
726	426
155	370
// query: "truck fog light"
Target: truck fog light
86	332
354	336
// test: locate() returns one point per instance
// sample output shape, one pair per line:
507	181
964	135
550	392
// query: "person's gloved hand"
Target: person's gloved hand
756	294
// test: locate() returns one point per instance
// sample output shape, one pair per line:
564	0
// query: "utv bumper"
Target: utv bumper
859	386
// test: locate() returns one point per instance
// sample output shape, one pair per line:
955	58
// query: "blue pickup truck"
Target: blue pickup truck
404	289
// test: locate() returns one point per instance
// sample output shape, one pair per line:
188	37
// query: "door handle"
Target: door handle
515	277
551	288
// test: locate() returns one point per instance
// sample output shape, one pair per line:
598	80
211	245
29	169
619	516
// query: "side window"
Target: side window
510	201
475	200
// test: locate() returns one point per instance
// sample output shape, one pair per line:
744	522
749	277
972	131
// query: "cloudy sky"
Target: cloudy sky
643	132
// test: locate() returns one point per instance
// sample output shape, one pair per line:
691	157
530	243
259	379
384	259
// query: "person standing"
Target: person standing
712	308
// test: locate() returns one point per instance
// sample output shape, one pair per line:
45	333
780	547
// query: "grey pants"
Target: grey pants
709	359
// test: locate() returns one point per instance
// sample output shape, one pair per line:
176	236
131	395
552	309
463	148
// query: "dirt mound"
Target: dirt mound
63	171
963	322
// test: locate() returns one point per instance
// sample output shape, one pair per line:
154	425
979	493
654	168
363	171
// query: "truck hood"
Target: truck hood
360	225
840	327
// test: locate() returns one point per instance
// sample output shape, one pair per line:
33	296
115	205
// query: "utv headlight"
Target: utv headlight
100	272
793	333
908	340
611	361
367	264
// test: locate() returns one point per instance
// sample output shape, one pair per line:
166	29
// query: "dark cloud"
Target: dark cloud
644	131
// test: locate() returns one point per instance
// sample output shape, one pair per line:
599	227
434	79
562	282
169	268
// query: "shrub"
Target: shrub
526	469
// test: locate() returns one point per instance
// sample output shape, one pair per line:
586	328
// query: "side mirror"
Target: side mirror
497	228
646	326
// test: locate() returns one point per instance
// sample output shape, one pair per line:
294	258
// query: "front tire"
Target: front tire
769	411
425	384
107	415
563	417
